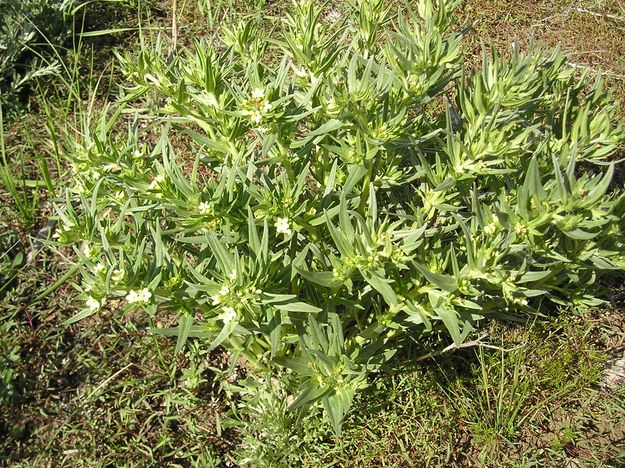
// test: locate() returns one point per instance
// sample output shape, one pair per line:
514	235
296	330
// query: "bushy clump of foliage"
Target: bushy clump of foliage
25	26
318	200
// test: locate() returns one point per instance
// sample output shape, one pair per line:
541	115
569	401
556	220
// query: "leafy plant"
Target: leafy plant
272	435
9	355
342	189
24	26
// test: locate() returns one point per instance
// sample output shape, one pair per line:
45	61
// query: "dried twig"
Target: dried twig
600	15
468	344
598	72
174	25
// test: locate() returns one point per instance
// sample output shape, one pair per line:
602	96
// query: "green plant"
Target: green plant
501	401
317	212
25	27
9	356
271	434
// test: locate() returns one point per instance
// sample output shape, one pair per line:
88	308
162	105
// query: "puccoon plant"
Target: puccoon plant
315	200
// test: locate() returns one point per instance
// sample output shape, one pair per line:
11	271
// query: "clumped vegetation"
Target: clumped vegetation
327	212
26	28
307	208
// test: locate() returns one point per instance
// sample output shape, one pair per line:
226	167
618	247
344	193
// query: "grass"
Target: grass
529	405
107	392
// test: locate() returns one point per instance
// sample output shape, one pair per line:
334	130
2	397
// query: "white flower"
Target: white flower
267	107
132	297
227	315
216	300
204	208
258	93
137	154
98	268
490	228
159	179
138	296
224	290
282	226
93	304
118	275
256	117
145	294
233	275
86	250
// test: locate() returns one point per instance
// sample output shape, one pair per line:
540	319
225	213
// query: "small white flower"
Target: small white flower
282	226
216	300
224	290
159	179
137	153
256	117
267	107
146	294
118	275
233	275
258	93
227	315
93	304
490	229
139	296
204	208
87	251
98	268
132	297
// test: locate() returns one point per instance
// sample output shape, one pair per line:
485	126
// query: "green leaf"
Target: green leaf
336	405
298	307
448	315
381	285
323	278
318	133
79	316
445	282
580	234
